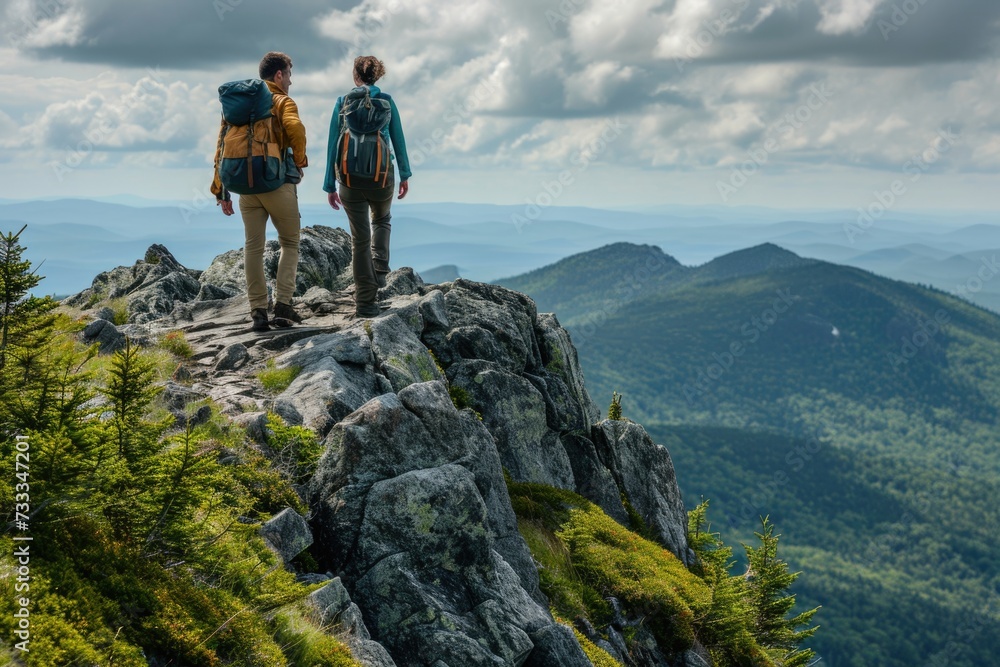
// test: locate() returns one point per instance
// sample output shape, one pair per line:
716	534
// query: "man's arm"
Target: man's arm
221	194
295	131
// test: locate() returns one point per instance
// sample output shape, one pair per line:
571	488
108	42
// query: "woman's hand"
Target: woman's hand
404	187
334	200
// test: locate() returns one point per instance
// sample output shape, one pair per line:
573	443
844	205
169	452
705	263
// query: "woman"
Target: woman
366	199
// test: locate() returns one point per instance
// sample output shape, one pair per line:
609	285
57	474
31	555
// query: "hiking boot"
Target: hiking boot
259	317
285	315
367	310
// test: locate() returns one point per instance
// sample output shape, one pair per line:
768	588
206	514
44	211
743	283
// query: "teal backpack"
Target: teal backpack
362	151
250	159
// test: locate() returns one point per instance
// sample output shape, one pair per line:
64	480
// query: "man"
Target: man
281	205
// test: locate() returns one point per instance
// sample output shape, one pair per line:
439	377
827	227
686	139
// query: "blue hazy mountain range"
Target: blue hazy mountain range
954	251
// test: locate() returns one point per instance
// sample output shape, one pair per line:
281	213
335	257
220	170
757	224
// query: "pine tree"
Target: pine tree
19	312
727	625
130	390
127	472
615	409
768	580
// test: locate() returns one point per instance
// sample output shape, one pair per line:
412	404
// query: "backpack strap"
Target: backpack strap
343	163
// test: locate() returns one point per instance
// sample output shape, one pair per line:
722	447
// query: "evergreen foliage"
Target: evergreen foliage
296	449
142	550
900	385
615	409
768	581
872	549
585	556
17	308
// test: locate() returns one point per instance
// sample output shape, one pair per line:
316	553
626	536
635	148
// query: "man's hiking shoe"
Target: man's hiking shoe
285	315
259	317
368	310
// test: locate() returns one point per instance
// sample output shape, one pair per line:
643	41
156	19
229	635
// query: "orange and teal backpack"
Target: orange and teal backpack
250	159
362	150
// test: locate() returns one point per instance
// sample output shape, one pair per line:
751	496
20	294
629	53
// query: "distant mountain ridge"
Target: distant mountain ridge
609	277
485	242
737	361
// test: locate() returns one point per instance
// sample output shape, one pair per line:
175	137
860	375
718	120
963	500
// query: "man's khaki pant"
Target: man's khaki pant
282	205
368	212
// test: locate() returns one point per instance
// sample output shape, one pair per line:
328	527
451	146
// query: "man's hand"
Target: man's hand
334	199
404	187
227	206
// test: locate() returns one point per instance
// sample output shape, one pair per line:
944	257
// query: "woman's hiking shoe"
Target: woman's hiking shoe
259	317
285	315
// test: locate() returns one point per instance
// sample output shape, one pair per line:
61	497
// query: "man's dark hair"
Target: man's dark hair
272	63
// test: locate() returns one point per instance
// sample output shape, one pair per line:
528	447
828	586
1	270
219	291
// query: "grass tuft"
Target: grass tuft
275	379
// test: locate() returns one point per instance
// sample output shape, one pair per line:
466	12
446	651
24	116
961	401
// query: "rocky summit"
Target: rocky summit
422	411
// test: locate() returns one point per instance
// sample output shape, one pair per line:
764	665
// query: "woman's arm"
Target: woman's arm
399	143
330	181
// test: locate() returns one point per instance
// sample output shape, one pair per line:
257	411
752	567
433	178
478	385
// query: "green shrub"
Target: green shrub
615	409
460	397
119	309
640	573
597	655
586	556
176	343
147	556
296	448
306	645
275	379
94	299
461	400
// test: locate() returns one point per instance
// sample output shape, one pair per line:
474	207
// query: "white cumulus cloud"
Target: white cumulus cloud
845	16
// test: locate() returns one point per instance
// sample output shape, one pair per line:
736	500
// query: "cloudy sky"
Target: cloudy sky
606	103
